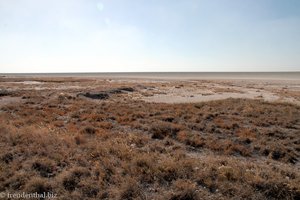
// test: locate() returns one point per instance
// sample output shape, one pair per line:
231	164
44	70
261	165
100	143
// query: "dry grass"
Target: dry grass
125	149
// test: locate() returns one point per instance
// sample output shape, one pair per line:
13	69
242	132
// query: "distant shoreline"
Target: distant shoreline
169	75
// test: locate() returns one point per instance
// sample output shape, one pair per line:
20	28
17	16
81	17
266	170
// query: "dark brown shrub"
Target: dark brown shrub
163	129
277	191
7	158
38	185
185	191
44	167
89	130
72	178
131	190
90	191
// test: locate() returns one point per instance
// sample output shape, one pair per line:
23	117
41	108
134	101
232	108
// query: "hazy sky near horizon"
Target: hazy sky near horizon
149	35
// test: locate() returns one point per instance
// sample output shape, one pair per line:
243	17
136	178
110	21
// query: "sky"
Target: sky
42	36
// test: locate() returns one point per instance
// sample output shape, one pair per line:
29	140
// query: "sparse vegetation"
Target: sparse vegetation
120	148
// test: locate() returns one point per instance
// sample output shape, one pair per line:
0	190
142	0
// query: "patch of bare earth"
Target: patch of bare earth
185	92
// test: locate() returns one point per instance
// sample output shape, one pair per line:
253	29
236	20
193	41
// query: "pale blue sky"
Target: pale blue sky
149	35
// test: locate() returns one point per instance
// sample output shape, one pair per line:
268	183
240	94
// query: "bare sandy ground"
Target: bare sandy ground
191	92
188	89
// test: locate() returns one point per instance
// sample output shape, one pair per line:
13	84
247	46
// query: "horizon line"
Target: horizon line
135	72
